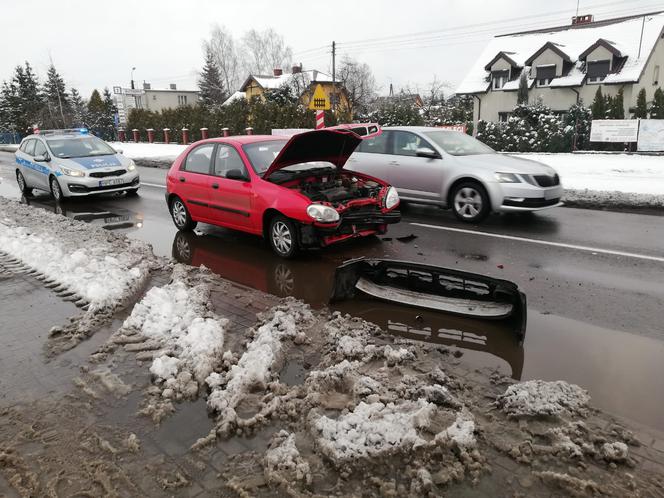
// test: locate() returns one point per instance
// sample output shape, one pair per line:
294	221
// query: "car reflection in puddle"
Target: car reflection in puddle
105	216
311	278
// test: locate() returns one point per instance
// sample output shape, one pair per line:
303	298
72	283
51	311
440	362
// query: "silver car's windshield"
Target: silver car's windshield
456	143
79	147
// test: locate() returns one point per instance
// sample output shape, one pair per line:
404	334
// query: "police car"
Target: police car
70	163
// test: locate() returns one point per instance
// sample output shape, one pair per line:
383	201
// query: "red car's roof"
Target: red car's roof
247	139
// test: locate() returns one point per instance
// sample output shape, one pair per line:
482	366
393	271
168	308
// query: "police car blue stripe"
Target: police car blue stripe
34	166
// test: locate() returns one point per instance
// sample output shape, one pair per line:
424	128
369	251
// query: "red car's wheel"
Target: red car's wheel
282	236
181	216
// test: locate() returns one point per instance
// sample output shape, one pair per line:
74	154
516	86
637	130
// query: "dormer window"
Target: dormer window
499	78
597	70
544	74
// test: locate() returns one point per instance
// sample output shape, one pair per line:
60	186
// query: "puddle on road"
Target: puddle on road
622	371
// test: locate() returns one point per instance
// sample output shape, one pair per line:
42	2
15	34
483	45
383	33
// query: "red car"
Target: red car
294	192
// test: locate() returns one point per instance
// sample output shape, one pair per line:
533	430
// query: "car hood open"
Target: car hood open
330	145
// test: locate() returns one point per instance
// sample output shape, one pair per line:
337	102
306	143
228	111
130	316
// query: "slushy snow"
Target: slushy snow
541	398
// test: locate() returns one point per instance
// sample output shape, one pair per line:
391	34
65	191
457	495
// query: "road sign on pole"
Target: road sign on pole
319	100
320	119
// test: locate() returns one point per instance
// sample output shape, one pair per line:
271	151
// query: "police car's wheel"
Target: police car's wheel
25	190
56	191
181	216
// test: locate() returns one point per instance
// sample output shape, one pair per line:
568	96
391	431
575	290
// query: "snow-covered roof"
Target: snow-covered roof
236	96
623	34
273	82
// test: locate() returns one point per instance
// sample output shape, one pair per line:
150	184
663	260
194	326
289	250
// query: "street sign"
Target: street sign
319	100
614	130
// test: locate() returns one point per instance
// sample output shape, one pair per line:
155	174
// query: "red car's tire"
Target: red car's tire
181	216
282	236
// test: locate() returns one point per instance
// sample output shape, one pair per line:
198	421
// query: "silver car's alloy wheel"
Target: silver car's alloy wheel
282	237
468	202
55	189
179	213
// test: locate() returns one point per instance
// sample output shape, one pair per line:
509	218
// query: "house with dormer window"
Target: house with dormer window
565	65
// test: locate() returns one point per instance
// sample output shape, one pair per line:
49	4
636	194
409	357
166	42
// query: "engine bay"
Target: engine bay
334	187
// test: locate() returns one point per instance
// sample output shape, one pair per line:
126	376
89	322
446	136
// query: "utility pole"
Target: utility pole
334	77
643	24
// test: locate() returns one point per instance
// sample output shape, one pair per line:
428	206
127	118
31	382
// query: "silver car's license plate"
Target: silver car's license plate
112	181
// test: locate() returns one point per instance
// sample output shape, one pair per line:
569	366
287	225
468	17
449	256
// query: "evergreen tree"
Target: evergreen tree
657	107
212	88
28	99
95	113
56	100
579	119
522	95
617	107
8	102
599	105
78	109
641	105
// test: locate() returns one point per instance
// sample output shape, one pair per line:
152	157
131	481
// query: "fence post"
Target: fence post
249	130
150	135
225	132
136	135
204	133
167	135
122	136
185	136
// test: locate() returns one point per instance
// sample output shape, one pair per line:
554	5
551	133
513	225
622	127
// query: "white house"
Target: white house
566	64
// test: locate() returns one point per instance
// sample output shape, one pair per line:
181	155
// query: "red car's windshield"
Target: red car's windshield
261	155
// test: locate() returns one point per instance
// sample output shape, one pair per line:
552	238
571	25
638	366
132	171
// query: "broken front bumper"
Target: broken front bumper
434	288
356	223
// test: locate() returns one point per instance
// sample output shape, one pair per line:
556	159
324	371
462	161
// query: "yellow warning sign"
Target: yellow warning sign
320	101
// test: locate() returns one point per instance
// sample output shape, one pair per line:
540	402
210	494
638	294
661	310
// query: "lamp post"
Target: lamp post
132	77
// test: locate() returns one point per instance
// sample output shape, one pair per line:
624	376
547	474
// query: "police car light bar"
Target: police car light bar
66	131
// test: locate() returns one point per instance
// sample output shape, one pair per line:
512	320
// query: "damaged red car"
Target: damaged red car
292	191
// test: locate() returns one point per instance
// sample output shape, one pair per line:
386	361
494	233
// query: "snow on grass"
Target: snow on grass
255	367
177	317
628	173
95	271
167	152
373	429
540	398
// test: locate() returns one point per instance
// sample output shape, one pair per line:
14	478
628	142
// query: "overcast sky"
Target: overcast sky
406	43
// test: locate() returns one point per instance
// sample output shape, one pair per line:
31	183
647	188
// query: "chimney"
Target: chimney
296	69
314	75
172	86
587	19
146	86
278	71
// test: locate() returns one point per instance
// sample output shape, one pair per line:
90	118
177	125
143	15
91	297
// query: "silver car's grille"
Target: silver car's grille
104	174
547	180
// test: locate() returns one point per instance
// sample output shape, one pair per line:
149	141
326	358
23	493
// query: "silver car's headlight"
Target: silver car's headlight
72	172
507	178
391	198
132	166
324	214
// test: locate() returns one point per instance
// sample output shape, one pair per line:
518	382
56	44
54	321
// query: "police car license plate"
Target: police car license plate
112	181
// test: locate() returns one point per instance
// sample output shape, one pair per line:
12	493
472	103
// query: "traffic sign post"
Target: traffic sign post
320	103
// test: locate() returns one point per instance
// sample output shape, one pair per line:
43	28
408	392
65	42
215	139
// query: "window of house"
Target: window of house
498	79
597	70
544	74
655	76
503	116
198	160
226	160
182	100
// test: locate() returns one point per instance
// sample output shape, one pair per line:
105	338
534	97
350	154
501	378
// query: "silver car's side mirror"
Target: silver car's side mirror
427	152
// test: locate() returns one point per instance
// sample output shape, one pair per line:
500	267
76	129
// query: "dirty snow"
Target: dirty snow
540	398
283	460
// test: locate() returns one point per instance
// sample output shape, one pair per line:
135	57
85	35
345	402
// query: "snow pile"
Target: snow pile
615	452
165	152
283	462
256	366
462	432
540	398
95	272
373	429
189	338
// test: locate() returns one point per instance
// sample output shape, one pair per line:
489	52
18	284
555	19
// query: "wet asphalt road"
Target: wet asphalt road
594	282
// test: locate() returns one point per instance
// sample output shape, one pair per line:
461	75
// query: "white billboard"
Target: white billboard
614	130
651	135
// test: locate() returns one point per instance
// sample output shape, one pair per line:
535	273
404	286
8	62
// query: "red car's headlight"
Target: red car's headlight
323	214
391	198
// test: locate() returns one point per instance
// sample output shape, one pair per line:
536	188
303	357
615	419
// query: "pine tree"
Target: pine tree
641	105
78	109
28	101
212	88
599	105
522	95
56	99
617	106
657	107
96	113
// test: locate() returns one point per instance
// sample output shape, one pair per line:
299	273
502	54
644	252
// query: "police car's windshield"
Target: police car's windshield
79	147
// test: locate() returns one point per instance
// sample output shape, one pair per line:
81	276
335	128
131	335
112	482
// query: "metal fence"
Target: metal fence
9	138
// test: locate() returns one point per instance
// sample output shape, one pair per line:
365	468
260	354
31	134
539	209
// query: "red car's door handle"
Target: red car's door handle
215	186
181	179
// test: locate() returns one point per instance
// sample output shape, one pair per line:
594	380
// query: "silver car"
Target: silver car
453	170
70	163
